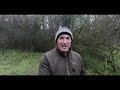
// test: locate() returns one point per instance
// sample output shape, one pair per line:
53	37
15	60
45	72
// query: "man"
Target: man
62	60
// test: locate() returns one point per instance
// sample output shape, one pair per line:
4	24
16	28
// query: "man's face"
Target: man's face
64	43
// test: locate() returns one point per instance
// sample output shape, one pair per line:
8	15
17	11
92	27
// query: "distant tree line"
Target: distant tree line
36	32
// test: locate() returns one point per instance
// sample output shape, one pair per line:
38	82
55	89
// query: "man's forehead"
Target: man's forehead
64	35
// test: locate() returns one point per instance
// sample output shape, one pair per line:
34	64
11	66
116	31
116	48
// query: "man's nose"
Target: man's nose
64	40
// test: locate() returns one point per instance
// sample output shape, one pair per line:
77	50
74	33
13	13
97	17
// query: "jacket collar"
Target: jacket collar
62	53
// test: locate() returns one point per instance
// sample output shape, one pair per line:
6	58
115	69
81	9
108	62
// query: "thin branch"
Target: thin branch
81	27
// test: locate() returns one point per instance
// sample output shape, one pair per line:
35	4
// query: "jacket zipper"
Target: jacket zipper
68	69
68	72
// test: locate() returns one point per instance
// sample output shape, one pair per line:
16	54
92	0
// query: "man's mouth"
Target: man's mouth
64	47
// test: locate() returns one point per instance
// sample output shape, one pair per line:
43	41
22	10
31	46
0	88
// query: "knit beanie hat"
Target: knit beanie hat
63	30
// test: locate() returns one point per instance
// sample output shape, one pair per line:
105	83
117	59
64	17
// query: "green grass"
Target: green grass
96	66
17	62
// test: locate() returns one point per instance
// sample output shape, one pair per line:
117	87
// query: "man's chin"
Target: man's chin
65	50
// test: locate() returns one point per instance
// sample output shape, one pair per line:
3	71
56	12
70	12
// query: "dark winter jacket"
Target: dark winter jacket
55	62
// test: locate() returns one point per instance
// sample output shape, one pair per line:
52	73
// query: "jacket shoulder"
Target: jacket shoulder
76	54
50	53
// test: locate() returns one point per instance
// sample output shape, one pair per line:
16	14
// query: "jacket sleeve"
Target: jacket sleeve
83	72
44	68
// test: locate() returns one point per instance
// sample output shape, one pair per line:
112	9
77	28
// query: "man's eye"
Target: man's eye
67	38
61	38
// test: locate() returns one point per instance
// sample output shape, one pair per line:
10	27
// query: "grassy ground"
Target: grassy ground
17	62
